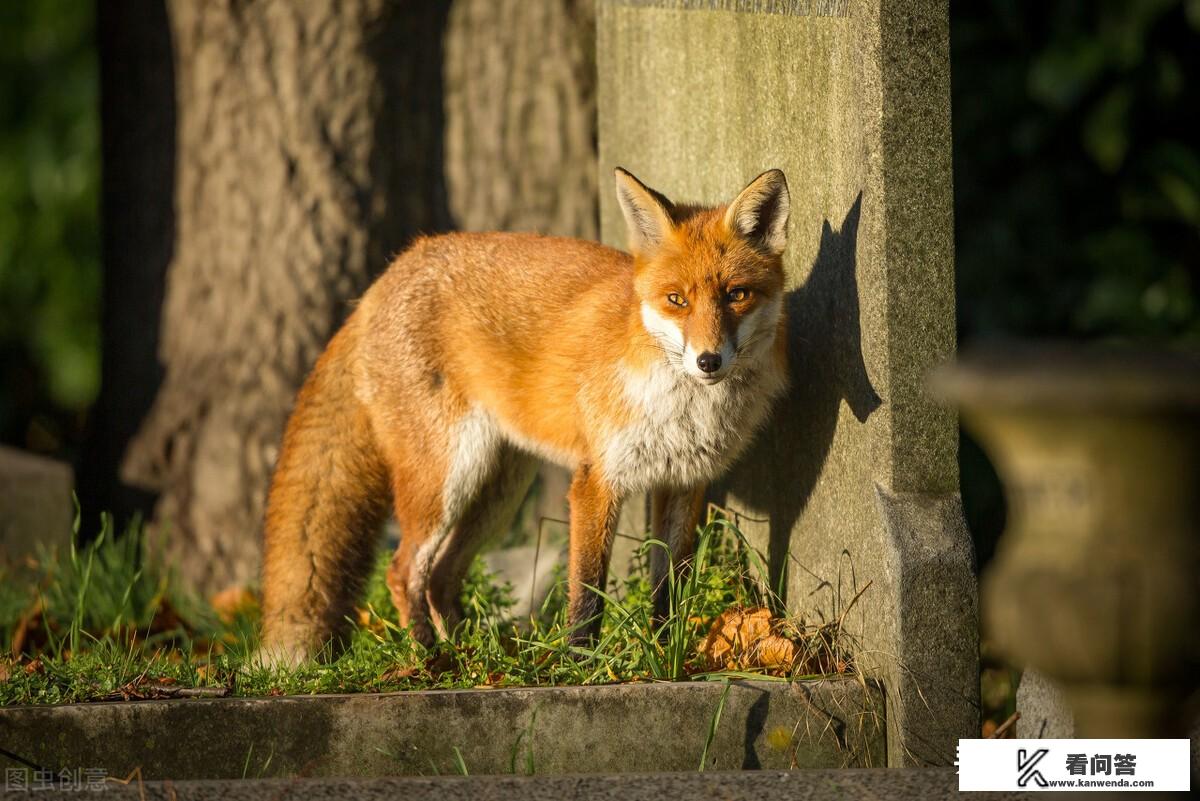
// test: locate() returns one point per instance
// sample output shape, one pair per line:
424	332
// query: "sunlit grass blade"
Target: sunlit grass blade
713	725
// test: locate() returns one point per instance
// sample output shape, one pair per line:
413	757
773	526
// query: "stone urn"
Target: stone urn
1095	581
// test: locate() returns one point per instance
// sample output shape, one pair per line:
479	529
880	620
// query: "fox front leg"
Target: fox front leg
675	514
594	511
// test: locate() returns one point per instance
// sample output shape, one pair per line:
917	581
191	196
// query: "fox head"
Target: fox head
709	281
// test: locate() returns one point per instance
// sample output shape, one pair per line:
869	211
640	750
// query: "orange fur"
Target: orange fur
475	353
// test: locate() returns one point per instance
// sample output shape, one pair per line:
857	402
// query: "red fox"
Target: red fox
476	354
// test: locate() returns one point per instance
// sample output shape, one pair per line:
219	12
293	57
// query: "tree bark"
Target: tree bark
521	116
309	150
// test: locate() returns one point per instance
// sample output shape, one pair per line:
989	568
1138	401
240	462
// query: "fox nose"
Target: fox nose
709	362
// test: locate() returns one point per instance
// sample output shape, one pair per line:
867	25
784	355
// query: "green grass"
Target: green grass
107	622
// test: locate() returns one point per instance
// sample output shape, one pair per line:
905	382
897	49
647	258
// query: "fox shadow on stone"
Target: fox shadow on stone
825	366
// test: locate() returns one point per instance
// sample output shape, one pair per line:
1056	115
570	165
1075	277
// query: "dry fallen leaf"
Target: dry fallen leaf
30	621
750	639
233	601
166	618
733	634
398	673
773	651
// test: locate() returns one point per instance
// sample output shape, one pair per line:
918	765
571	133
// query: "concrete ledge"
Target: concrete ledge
930	784
607	729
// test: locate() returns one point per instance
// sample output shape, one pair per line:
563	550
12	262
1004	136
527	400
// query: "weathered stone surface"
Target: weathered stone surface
854	486
35	504
618	728
530	571
1046	715
1044	711
806	785
1095	580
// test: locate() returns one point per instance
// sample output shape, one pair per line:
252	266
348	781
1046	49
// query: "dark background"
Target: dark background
1077	197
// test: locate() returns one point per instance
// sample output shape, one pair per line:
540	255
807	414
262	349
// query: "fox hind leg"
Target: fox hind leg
405	581
432	508
489	513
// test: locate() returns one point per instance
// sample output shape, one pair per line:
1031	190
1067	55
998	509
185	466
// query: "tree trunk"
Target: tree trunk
309	149
521	116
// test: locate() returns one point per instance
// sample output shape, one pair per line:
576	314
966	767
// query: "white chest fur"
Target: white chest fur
684	433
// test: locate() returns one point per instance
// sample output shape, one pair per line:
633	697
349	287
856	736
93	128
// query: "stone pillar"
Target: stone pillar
854	486
36	510
1044	711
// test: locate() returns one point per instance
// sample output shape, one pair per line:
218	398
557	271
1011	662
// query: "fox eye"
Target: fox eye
738	294
675	300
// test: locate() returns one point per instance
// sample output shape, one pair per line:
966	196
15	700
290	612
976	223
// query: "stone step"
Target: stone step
924	784
547	731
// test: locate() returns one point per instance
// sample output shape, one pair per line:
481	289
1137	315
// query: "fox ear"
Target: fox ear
760	212
647	213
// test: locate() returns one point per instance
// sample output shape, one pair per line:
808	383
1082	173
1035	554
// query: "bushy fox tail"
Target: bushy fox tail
328	499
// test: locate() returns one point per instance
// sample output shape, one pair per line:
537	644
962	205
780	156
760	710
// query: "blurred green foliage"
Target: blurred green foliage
1076	183
1077	168
49	221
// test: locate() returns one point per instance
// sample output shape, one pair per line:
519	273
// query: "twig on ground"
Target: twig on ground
1003	728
